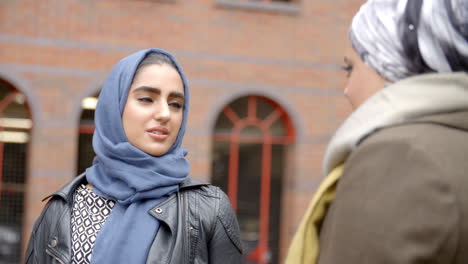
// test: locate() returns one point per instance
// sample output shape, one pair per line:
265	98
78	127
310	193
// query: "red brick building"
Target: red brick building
266	96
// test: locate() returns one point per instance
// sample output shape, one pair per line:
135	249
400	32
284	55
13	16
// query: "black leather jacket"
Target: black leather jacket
198	225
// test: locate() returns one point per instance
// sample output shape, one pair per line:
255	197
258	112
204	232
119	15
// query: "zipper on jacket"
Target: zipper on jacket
184	242
54	256
180	220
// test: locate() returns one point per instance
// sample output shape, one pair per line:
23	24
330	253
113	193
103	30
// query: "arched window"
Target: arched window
86	129
15	126
250	140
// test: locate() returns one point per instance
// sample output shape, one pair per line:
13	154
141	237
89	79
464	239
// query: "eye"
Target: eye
176	105
145	99
347	68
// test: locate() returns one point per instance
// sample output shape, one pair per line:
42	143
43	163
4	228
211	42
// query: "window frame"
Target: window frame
234	138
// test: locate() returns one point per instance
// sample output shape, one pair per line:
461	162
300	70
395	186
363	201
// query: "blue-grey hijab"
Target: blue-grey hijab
134	179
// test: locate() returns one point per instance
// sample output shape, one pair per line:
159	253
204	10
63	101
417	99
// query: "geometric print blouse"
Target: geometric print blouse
89	213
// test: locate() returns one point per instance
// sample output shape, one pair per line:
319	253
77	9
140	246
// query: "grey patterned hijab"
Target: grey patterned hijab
401	38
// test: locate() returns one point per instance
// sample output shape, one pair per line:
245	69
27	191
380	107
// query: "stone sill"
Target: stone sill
278	7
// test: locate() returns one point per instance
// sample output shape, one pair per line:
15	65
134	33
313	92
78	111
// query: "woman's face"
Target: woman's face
362	82
153	112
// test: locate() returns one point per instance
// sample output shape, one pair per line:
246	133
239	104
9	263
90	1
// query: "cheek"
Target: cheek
131	119
352	89
134	113
126	122
349	86
178	120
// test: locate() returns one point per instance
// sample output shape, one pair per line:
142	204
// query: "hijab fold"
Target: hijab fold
398	39
135	180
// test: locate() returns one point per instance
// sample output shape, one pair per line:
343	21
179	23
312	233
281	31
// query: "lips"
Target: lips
158	133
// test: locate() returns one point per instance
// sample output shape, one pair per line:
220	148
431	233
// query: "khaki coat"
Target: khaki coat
403	197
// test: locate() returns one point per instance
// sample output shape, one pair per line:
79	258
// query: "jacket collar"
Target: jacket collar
66	192
191	183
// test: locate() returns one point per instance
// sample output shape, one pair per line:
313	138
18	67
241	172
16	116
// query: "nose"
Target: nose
162	113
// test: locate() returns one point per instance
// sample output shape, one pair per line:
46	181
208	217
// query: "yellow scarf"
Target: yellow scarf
304	248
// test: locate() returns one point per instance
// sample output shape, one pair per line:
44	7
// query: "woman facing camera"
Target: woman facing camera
136	203
396	171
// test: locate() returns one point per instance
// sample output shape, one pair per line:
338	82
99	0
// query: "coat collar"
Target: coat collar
404	101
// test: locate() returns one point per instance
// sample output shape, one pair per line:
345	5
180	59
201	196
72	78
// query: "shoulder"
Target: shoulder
215	198
213	193
401	168
219	218
59	203
446	128
208	197
211	202
397	174
411	153
410	135
413	141
215	210
66	192
54	218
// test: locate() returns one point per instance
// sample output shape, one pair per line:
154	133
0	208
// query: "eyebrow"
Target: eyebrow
346	60
158	91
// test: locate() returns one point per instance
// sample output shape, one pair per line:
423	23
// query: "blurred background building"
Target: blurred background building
266	96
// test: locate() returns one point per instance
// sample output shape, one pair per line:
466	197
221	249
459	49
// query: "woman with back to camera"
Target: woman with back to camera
136	203
396	171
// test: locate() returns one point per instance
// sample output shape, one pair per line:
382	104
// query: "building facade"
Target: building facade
266	96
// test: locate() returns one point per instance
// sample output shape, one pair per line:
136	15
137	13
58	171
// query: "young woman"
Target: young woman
396	171
136	203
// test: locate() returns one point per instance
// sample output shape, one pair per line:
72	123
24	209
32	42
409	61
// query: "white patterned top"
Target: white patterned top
89	213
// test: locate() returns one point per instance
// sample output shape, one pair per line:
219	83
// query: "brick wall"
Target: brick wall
58	52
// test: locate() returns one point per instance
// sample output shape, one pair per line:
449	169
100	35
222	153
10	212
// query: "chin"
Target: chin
154	152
